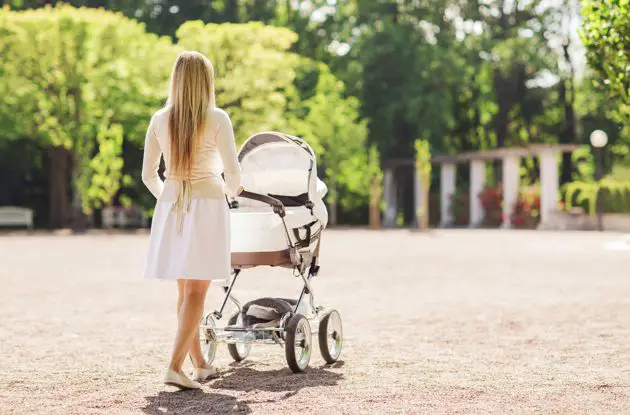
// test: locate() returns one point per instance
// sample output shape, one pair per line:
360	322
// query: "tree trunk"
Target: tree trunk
569	136
79	219
375	203
502	118
58	186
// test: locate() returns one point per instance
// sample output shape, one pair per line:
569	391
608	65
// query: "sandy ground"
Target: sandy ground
448	322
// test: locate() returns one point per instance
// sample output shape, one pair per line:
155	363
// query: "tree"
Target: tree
254	71
265	86
332	120
79	81
606	36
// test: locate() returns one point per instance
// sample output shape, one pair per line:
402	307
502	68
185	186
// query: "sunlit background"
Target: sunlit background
508	120
361	81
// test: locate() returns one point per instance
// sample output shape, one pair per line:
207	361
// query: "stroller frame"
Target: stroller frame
294	330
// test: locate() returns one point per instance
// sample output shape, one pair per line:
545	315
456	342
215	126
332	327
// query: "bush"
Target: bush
615	195
526	213
460	208
492	201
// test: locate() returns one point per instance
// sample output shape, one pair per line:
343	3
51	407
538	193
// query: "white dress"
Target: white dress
190	231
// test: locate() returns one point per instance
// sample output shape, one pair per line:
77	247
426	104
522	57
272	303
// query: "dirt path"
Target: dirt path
451	322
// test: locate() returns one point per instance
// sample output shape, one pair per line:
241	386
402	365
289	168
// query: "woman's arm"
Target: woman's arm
227	150
151	162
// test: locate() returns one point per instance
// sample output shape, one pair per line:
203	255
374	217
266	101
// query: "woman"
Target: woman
190	239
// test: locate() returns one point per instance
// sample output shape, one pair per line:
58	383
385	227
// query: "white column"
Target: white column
447	188
511	179
389	195
477	182
548	183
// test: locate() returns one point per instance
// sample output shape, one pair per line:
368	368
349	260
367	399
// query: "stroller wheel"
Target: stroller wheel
330	336
238	351
299	341
208	345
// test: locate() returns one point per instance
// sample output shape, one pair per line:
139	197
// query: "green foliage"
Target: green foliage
91	81
103	176
258	83
578	193
423	171
463	75
621	173
254	68
584	163
80	79
332	121
596	110
615	194
606	36
423	158
398	85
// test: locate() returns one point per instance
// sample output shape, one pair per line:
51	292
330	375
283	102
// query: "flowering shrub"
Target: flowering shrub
492	201
526	213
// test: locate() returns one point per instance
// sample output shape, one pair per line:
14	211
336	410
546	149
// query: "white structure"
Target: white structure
477	183
16	216
447	189
548	183
510	157
548	155
511	182
390	198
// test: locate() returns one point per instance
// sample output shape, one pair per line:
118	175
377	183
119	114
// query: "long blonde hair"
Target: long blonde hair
190	98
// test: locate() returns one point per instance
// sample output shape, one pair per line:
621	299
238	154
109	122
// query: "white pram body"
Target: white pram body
277	220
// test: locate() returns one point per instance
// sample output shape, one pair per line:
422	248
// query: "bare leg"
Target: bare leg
188	320
195	348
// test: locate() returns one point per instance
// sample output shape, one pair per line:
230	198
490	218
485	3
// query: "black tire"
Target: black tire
330	356
297	322
237	355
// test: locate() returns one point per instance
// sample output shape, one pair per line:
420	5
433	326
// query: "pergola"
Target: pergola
510	159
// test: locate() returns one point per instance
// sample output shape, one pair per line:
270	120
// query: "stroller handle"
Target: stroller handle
277	205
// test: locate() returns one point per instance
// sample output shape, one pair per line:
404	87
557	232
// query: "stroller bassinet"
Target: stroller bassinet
280	170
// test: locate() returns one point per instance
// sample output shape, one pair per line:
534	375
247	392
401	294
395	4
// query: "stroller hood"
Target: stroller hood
285	167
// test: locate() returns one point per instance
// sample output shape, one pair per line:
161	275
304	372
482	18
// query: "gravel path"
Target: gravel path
448	322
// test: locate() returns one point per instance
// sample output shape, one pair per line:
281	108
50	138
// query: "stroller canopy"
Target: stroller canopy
284	167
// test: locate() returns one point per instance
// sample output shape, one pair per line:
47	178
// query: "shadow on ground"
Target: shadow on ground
283	380
240	378
194	402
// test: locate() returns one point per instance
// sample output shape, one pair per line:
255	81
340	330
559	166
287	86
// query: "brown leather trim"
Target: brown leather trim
275	258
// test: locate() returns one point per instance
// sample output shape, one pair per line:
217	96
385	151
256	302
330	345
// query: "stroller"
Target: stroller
278	222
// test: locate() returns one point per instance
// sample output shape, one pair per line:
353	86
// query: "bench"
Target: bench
119	217
16	216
